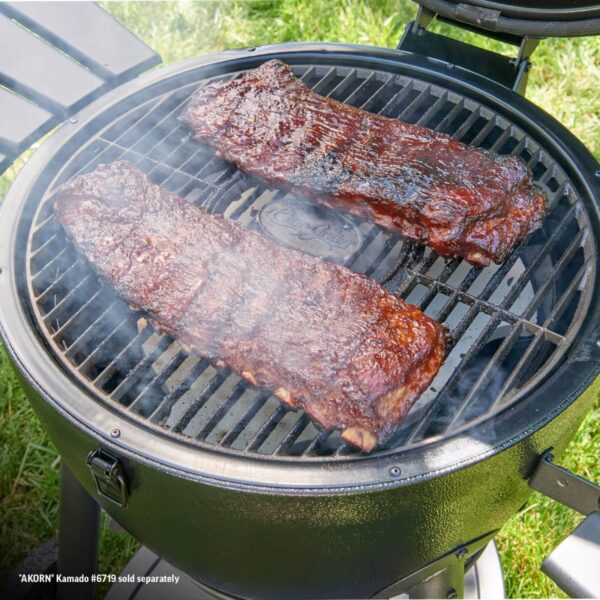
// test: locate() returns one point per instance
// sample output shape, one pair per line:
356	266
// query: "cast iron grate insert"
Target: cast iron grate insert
511	324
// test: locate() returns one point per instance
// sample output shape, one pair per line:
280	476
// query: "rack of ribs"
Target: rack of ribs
459	200
323	338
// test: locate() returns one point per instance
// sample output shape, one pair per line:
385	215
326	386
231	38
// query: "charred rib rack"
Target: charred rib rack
460	200
329	341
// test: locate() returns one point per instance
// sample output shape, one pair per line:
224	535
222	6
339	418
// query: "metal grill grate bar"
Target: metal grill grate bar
267	427
525	308
485	131
232	398
325	80
351	99
489	370
243	422
376	95
569	293
534	347
293	434
75	318
55	266
548	246
397	101
157	381
481	306
434	110
53	291
92	358
421	427
340	90
179	423
161	343
504	137
459	134
558	269
103	376
412	107
162	410
500	354
89	331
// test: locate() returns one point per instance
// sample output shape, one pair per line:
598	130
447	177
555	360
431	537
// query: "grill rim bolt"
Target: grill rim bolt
452	593
462	551
395	471
115	433
73	120
597	173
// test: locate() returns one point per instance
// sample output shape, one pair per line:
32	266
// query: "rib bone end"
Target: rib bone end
360	437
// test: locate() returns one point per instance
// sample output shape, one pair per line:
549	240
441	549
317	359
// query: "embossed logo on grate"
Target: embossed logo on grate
303	225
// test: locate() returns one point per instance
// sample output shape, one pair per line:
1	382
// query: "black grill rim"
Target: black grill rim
326	474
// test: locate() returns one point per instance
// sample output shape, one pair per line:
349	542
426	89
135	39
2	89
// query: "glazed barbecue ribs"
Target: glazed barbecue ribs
457	199
323	338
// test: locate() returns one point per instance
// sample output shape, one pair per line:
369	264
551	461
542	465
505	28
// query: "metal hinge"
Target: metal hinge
510	72
108	476
565	487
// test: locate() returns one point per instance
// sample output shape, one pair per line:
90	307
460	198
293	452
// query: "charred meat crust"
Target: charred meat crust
459	200
325	339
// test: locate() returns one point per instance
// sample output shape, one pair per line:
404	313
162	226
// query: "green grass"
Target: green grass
564	82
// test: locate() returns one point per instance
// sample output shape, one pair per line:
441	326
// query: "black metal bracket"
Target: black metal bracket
565	487
443	578
573	563
108	476
510	72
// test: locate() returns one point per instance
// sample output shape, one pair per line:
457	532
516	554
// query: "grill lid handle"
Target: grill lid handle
559	18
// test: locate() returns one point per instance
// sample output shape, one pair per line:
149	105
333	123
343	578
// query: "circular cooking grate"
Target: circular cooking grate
511	324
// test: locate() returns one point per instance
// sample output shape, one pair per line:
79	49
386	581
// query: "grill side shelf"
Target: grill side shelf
54	60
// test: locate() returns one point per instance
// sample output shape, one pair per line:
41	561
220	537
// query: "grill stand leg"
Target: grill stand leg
79	524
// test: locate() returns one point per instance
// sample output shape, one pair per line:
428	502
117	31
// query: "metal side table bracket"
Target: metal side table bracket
574	565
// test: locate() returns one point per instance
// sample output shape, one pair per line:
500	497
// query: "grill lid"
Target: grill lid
521	329
557	18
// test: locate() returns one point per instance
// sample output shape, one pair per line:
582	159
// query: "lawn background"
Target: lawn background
565	81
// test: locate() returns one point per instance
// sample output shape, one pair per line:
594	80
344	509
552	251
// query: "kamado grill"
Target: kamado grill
220	479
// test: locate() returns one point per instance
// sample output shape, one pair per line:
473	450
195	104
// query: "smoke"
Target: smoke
123	352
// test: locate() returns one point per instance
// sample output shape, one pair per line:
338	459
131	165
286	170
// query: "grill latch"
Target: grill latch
108	476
